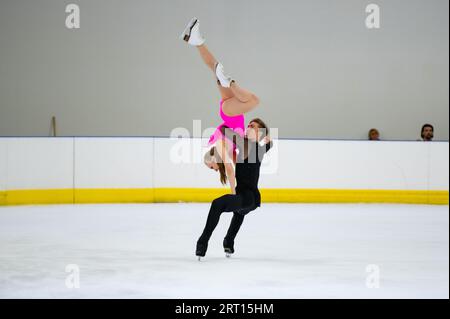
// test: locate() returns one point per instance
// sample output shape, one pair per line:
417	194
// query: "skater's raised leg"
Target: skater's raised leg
243	101
237	100
191	34
212	63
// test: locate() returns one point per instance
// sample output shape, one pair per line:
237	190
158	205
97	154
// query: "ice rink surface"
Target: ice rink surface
282	251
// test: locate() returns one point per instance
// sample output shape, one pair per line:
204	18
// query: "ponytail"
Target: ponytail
213	154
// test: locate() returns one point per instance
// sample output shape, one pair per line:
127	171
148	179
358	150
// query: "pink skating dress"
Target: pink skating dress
236	123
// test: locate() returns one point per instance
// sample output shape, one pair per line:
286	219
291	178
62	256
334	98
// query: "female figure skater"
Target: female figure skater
235	102
245	197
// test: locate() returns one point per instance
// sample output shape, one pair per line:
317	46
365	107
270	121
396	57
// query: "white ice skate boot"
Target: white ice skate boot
192	33
223	79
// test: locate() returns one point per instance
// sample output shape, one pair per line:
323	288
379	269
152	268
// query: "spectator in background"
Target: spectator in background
427	133
374	135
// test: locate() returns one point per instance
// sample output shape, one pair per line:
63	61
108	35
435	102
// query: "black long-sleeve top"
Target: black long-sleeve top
248	166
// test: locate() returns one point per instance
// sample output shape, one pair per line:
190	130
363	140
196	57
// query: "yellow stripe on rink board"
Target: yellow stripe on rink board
205	195
354	196
2	198
132	195
45	196
170	195
193	195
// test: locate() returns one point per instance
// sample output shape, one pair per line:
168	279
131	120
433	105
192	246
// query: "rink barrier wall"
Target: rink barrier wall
174	195
140	170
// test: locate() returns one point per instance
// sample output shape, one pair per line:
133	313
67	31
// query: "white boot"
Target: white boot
192	33
224	79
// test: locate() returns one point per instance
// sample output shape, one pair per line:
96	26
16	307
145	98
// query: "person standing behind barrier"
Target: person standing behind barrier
374	135
427	133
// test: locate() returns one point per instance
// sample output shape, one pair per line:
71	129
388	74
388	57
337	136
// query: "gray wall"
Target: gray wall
319	72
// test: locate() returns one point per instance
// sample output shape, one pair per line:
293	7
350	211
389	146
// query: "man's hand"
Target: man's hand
267	139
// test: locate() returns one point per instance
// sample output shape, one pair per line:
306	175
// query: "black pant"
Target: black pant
238	204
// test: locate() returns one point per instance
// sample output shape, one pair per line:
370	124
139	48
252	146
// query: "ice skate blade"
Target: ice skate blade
228	255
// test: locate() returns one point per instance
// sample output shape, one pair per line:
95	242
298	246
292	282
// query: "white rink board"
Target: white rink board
48	163
314	164
350	165
40	163
439	166
113	163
